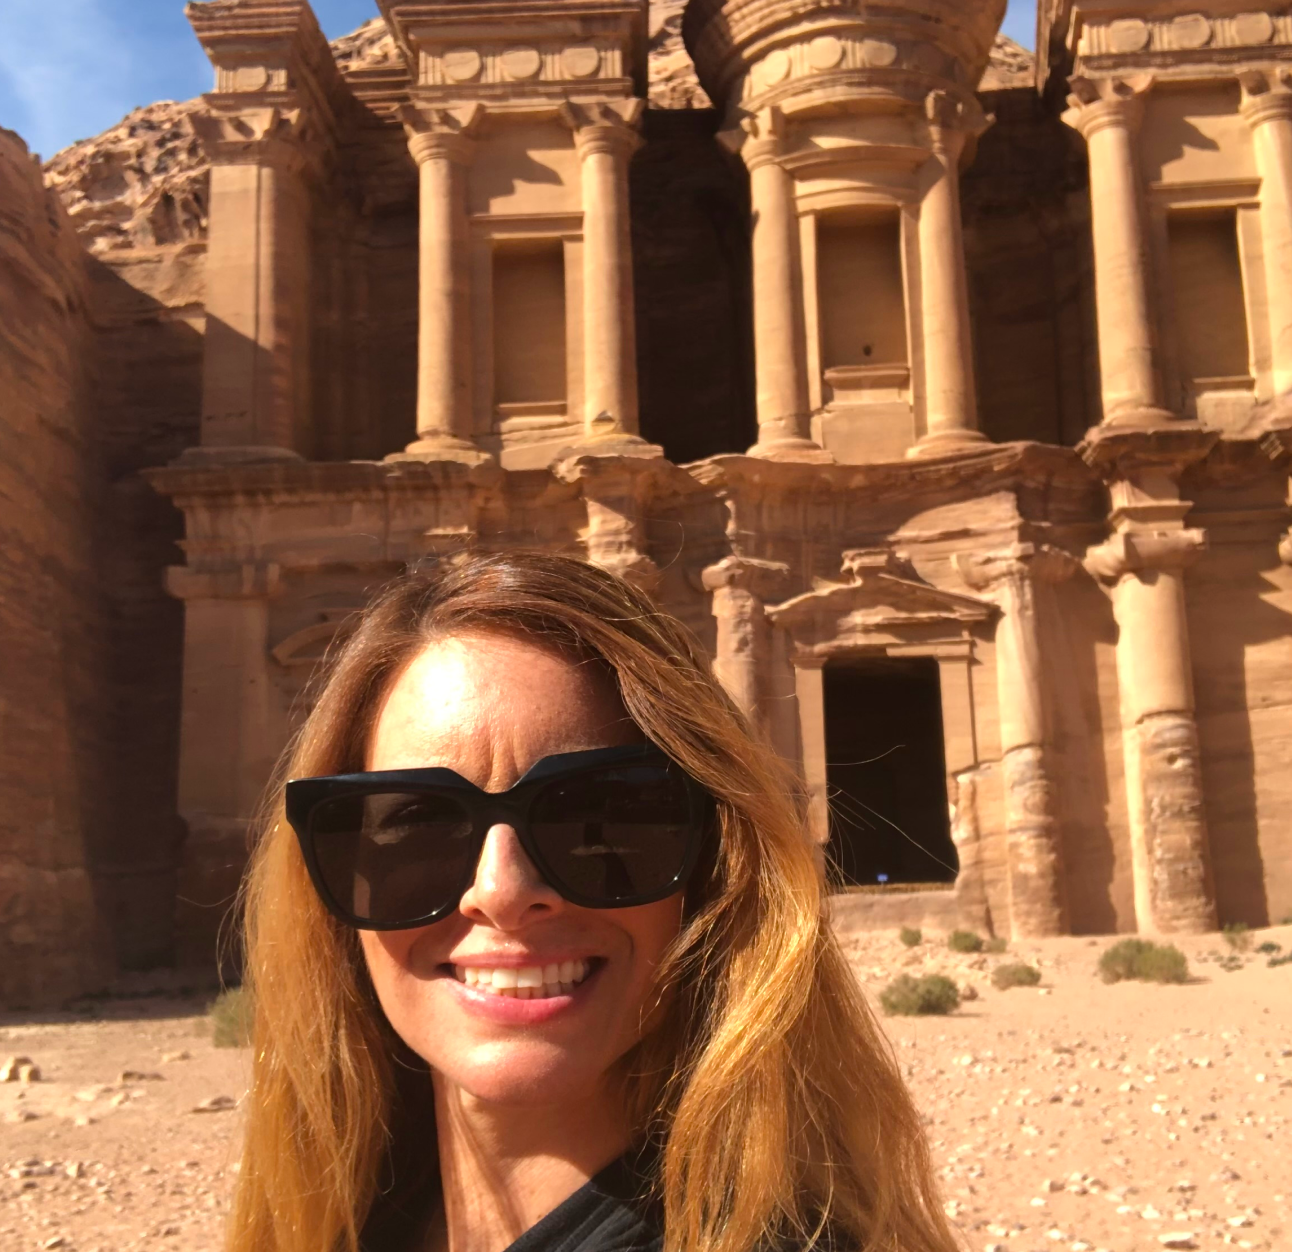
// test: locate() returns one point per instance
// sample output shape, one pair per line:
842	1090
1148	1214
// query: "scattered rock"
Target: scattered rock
139	1075
19	1069
1178	1239
169	1058
216	1104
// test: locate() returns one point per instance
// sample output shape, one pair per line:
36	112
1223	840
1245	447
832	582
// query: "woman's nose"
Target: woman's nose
508	892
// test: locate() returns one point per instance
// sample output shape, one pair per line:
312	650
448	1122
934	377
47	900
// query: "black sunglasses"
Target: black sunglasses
607	829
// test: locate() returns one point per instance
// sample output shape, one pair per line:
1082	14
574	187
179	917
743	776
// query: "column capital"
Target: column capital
260	135
1144	551
444	134
760	137
604	126
1097	103
953	122
760	578
992	573
1267	95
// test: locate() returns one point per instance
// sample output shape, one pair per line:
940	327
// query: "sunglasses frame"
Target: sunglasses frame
485	810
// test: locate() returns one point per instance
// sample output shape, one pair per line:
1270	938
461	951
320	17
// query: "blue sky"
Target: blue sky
72	68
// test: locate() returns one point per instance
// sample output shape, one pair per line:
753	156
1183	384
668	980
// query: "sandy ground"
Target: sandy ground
1074	1116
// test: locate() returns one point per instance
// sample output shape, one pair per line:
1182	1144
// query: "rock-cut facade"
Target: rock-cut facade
945	392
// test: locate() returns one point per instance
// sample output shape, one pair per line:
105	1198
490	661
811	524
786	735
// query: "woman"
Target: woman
540	957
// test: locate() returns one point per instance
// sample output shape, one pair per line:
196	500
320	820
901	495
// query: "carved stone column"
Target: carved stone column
230	736
1267	107
255	374
1107	114
1144	563
740	587
441	144
780	361
1034	836
951	405
606	135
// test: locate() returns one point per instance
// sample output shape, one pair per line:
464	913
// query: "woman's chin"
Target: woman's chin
524	1076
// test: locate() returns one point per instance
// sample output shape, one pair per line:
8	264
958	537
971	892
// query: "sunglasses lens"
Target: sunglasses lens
392	857
615	834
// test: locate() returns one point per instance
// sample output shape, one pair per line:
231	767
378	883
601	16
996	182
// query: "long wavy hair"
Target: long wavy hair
775	1102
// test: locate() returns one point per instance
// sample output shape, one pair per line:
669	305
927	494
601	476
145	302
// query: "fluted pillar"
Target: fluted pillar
1267	108
740	587
441	144
951	406
1034	836
1107	113
255	374
780	357
606	136
1144	562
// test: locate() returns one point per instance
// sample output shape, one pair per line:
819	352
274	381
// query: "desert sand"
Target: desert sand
1075	1115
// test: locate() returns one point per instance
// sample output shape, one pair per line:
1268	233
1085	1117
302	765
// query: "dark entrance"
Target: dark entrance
886	770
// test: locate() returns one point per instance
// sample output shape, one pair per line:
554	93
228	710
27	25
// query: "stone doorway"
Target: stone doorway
886	772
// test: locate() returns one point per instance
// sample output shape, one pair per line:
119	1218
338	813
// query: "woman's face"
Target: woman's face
489	706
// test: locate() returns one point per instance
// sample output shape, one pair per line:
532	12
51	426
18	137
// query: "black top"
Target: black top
612	1212
607	1214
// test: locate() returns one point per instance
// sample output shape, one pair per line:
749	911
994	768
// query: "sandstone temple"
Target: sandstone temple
945	392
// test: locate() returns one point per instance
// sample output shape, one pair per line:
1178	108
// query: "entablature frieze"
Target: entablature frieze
518	54
746	48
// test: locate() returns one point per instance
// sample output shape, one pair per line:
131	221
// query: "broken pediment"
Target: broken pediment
884	602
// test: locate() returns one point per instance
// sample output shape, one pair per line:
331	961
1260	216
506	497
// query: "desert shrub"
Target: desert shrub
1015	974
996	945
1237	936
1269	948
1275	961
1143	961
916	997
231	1015
910	937
964	941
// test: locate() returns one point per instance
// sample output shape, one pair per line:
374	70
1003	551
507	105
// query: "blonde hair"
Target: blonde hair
774	1098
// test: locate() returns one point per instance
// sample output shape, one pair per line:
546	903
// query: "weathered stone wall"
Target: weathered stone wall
53	767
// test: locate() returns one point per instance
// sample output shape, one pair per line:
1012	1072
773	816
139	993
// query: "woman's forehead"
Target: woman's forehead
490	705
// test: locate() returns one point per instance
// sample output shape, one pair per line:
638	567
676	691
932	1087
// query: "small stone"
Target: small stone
139	1075
216	1104
1178	1239
1240	1220
74	1169
11	1070
21	1115
1051	1185
81	1119
169	1058
122	1097
56	1242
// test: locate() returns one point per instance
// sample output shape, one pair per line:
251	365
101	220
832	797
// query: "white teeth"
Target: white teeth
530	982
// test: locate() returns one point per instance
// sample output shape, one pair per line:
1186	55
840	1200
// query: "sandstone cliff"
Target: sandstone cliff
52	615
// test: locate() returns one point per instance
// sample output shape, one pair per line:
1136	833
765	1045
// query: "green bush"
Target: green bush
996	945
1237	936
231	1016
1016	974
1269	948
910	937
964	941
1143	961
917	997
